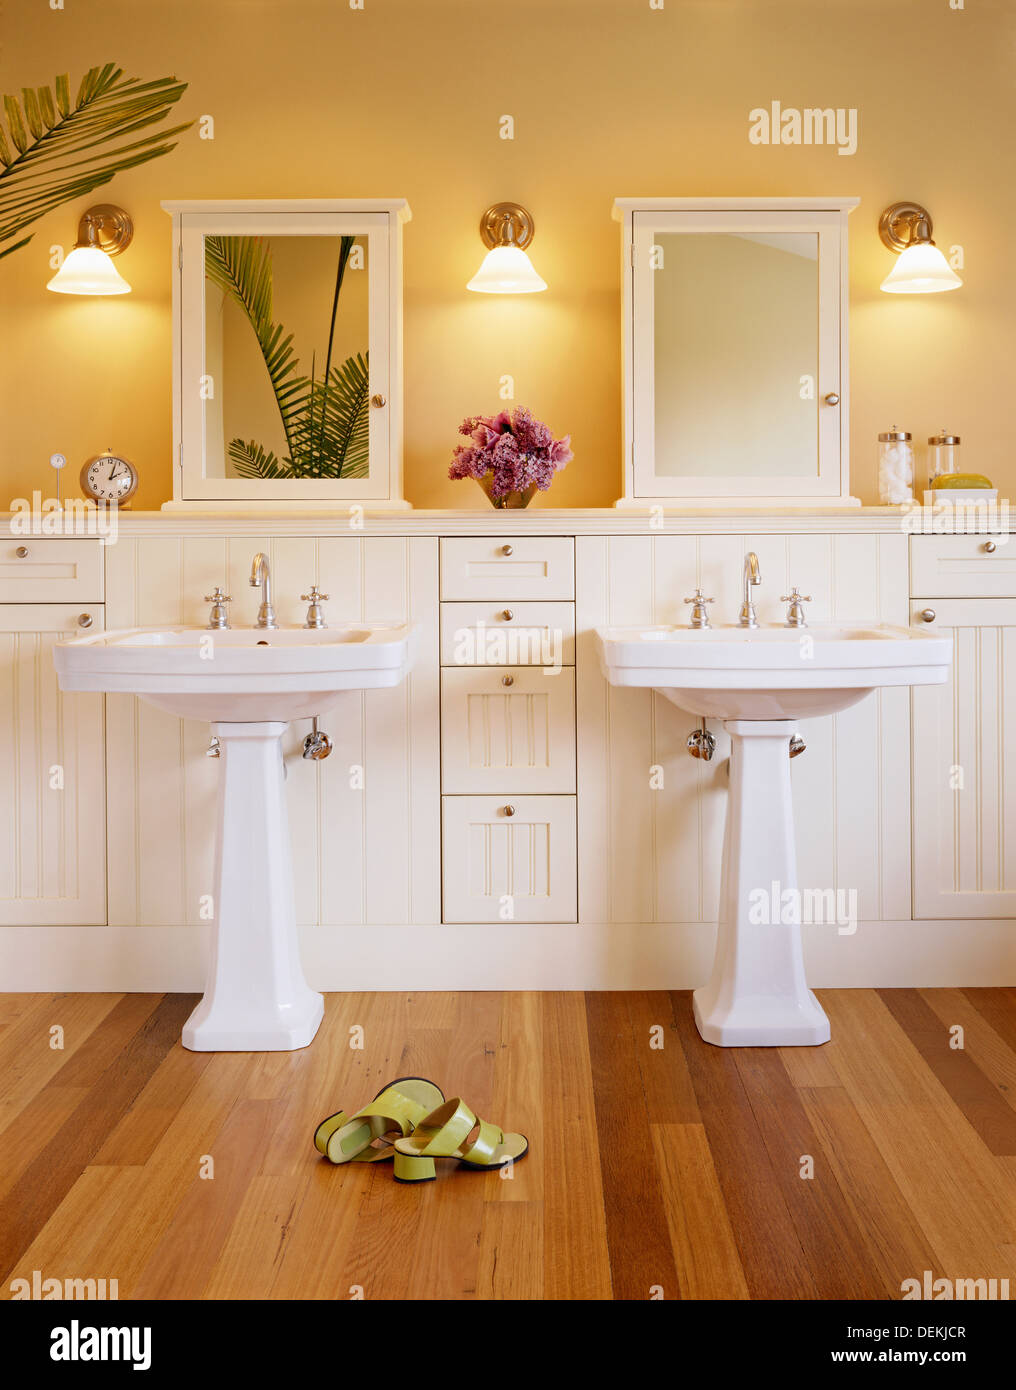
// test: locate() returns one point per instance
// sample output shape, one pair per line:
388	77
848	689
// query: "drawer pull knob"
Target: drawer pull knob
22	552
989	546
507	549
377	401
509	810
85	620
832	398
507	615
927	615
507	680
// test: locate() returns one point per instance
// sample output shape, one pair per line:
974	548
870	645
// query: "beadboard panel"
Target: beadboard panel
965	766
651	816
52	836
365	833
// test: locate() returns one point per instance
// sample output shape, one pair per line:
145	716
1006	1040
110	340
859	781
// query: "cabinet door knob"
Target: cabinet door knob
509	810
507	615
22	552
507	549
832	398
85	620
927	615
507	680
989	546
377	401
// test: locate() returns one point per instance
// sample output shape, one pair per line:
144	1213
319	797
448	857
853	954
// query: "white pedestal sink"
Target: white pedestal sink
759	682
249	684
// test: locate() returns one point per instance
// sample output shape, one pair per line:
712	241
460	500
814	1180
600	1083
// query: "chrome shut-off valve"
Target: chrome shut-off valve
701	743
317	745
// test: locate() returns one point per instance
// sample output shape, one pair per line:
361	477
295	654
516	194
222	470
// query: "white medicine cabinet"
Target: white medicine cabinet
735	351
287	352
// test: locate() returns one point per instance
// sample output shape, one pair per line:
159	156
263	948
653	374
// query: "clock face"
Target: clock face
109	478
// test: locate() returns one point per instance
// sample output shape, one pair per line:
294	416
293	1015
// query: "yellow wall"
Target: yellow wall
610	97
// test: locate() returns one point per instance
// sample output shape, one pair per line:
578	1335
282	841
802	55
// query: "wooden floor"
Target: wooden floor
676	1168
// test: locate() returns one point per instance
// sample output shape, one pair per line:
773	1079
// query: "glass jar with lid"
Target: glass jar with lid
943	455
895	467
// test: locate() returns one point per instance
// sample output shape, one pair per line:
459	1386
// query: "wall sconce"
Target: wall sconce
507	229
921	269
104	231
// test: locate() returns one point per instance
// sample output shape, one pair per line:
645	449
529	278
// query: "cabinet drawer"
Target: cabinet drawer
500	867
496	634
962	566
507	567
50	571
507	729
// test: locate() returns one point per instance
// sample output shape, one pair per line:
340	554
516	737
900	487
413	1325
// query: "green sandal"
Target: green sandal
399	1105
444	1134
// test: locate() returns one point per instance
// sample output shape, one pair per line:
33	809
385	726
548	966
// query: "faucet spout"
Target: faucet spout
261	575
752	575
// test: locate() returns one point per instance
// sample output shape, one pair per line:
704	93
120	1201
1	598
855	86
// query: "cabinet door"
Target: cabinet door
509	860
52	781
964	735
507	729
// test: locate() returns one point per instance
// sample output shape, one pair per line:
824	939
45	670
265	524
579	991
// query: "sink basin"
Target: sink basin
730	672
237	674
249	683
759	681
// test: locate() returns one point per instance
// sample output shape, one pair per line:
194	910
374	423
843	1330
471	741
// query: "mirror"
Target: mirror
735	354
735	350
288	352
286	349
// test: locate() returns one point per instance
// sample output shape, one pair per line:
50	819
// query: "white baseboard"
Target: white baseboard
511	956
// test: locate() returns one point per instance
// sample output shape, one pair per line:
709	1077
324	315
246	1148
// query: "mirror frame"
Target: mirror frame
380	221
639	218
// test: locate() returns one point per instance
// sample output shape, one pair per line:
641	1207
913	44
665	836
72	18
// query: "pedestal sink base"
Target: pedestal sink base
761	1022
257	999
757	995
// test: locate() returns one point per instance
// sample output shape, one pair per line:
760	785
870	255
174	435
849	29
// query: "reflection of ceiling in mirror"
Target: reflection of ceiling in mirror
805	245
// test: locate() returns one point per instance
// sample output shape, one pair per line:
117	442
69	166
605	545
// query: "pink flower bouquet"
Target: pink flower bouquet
510	455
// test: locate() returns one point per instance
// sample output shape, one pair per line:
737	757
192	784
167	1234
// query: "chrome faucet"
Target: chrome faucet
752	575
261	574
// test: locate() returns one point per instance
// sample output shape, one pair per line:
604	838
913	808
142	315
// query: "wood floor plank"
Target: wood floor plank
146	1207
250	1260
517	1103
576	1262
705	1252
971	1091
832	1242
139	1032
998	1006
927	1144
181	1264
891	1236
36	1124
641	1257
511	1251
809	1066
666	1081
34	1062
980	1041
774	1263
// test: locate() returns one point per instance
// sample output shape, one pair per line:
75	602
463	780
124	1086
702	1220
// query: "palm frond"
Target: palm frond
332	424
53	151
241	266
251	461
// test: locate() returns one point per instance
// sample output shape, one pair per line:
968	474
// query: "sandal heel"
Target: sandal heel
413	1169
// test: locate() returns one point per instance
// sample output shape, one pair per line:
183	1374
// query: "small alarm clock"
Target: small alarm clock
109	478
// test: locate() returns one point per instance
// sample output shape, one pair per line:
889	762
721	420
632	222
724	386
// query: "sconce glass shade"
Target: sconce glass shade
921	269
87	270
506	270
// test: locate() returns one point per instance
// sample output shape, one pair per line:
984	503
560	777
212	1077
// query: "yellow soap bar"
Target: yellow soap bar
948	480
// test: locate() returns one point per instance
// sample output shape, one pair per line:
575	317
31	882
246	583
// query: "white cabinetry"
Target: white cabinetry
52	789
508	729
965	731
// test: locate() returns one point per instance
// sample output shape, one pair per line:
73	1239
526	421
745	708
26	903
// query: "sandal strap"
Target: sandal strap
485	1145
392	1105
456	1121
